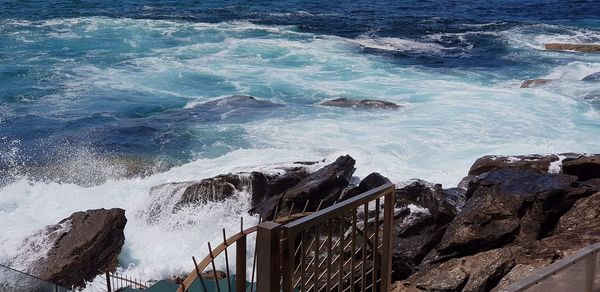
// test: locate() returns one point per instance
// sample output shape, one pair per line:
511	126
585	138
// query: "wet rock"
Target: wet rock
480	272
425	211
216	275
505	204
534	161
572	47
370	182
584	167
535	82
592	77
363	104
77	248
325	184
214	189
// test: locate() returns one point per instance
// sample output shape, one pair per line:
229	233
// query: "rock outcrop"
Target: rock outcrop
584	167
592	77
535	82
326	184
588	48
368	183
362	104
77	248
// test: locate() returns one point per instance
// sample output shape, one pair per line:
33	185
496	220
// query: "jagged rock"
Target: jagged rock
572	47
325	184
535	82
505	204
425	210
477	273
592	77
214	189
585	167
520	272
583	216
364	103
77	248
533	161
370	182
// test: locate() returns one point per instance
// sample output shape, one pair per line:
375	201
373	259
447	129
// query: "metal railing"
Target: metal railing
577	272
344	247
12	280
115	281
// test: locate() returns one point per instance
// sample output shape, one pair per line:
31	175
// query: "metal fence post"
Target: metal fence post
267	256
388	229
240	265
108	286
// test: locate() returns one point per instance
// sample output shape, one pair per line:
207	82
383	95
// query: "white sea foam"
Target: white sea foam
398	45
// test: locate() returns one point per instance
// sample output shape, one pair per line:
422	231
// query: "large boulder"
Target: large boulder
322	187
572	47
77	248
541	162
361	104
503	205
584	167
368	183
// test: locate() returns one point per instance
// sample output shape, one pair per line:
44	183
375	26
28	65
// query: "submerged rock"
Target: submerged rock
592	77
364	103
77	248
572	47
326	184
535	82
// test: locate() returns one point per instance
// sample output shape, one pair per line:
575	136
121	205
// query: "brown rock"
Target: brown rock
585	167
480	272
80	246
588	48
535	82
363	104
533	161
326	184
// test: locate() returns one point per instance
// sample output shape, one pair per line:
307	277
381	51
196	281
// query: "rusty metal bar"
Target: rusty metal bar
386	261
353	250
268	235
199	275
376	246
365	235
108	284
329	253
212	262
240	265
227	262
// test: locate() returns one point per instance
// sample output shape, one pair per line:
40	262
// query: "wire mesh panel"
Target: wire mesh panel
12	280
345	247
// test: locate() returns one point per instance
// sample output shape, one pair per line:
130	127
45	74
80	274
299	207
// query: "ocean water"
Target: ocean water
94	96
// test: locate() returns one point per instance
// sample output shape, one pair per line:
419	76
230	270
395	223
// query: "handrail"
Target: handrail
339	208
213	253
557	267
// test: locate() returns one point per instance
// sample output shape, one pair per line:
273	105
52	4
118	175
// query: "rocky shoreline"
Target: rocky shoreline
508	217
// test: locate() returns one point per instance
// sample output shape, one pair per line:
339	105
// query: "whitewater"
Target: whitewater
451	115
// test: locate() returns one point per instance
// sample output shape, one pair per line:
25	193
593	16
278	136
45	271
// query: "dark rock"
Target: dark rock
464	182
364	103
583	216
506	204
217	275
325	184
370	182
477	273
592	77
443	204
535	82
584	167
81	245
572	47
214	189
533	161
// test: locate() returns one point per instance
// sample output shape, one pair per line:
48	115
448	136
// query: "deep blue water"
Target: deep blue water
112	77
